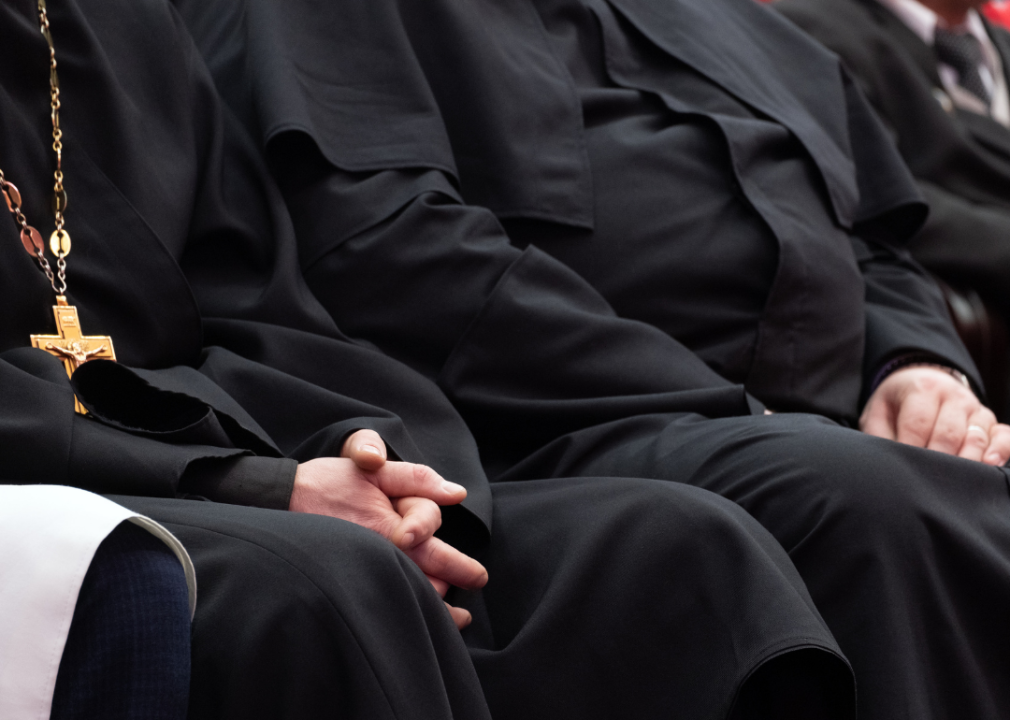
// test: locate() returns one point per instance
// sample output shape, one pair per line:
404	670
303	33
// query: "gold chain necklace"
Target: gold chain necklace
70	345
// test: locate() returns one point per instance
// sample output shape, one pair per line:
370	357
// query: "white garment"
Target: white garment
48	537
923	22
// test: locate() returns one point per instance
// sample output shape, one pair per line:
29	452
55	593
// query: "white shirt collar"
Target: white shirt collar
923	22
919	18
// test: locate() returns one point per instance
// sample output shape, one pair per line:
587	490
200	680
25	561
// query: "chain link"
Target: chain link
60	244
19	217
54	102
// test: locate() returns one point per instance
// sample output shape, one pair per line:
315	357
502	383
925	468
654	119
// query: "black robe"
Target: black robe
712	172
960	159
608	596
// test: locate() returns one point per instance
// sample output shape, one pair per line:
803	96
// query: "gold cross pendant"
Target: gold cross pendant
71	345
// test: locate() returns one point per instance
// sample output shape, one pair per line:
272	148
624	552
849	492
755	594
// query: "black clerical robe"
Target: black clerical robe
230	372
712	172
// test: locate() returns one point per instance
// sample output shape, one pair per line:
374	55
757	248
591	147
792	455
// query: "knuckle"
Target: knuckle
439	562
432	514
423	475
917	431
977	439
969	406
917	423
947	434
429	517
426	557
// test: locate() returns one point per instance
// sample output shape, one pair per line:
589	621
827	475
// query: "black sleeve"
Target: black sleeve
44	440
185	447
259	481
966	243
905	312
513	337
399	260
415	271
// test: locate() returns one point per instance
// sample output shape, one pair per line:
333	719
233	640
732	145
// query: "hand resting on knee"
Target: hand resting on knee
398	500
927	407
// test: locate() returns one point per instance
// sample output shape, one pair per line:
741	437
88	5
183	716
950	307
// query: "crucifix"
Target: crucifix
71	345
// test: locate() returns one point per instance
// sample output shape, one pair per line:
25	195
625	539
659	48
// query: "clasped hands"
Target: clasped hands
927	407
921	406
398	500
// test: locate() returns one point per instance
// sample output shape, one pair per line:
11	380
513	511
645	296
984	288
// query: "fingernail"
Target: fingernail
371	450
407	541
993	459
451	487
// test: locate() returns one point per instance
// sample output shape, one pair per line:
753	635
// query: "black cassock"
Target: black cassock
713	173
608	597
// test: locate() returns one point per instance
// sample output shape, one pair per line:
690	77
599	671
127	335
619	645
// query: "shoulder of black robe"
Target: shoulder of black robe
577	364
471	64
183	254
424	73
368	90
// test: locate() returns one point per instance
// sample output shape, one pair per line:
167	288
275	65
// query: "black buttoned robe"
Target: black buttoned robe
612	231
608	597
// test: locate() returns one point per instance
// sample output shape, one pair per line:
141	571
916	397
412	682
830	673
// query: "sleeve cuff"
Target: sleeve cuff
918	360
262	482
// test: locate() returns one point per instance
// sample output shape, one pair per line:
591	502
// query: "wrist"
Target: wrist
905	362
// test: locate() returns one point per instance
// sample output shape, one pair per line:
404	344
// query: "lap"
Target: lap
601	591
790	470
905	551
607	589
306	616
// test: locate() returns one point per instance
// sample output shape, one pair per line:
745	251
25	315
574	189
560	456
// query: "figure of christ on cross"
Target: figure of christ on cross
71	345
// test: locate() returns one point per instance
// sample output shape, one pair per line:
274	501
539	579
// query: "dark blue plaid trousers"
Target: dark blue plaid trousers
128	652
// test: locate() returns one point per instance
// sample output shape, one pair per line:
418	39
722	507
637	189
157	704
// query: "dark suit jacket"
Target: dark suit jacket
960	159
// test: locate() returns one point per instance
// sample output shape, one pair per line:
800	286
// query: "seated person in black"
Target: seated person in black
302	470
936	72
731	220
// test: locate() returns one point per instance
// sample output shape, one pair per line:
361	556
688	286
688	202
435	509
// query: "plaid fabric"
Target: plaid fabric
128	652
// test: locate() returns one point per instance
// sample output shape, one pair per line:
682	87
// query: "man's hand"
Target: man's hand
367	449
398	500
927	407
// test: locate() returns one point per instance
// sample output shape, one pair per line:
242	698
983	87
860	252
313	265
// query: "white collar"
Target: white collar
923	21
